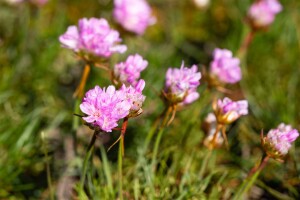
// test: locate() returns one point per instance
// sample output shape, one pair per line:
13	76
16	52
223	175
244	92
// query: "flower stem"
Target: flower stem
261	166
47	166
159	136
86	159
250	179
245	44
120	163
213	142
80	89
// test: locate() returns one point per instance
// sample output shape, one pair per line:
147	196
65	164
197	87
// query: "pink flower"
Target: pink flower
227	111
104	108
281	139
262	13
133	15
225	67
135	97
93	36
130	70
181	84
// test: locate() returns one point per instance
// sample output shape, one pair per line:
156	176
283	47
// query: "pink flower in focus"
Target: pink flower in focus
92	36
227	111
130	70
104	108
133	15
281	139
181	84
135	97
262	13
225	67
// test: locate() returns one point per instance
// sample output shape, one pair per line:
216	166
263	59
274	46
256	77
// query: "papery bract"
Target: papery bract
104	108
262	13
93	36
133	15
181	84
130	70
227	111
225	67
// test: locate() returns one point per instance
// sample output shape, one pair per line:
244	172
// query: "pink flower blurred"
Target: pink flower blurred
262	13
130	70
181	84
92	36
133	15
227	111
104	108
282	137
225	67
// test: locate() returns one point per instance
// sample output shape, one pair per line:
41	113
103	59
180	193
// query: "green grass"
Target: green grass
38	78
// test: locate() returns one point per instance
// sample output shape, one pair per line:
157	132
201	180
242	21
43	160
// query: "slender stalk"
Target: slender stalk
158	138
261	166
213	142
245	44
120	169
49	181
80	89
250	180
204	163
123	131
86	158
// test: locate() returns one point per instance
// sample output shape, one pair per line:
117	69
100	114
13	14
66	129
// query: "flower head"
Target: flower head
181	84
227	111
135	97
104	108
262	13
278	141
130	70
92	36
225	67
133	15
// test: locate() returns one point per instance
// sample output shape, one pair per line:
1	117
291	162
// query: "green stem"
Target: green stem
49	181
250	180
158	138
120	172
87	157
204	163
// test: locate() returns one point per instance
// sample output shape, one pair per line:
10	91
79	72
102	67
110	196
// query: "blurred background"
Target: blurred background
38	78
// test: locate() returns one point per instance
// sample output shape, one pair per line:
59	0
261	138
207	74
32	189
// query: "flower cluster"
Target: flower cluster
130	70
133	15
93	36
181	85
262	13
278	141
135	97
225	67
227	111
104	108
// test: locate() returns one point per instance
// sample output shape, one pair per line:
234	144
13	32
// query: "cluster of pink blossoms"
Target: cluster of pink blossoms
104	108
227	111
262	13
133	15
93	36
225	67
278	141
130	70
181	84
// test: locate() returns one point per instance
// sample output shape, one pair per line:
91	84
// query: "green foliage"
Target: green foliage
38	78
